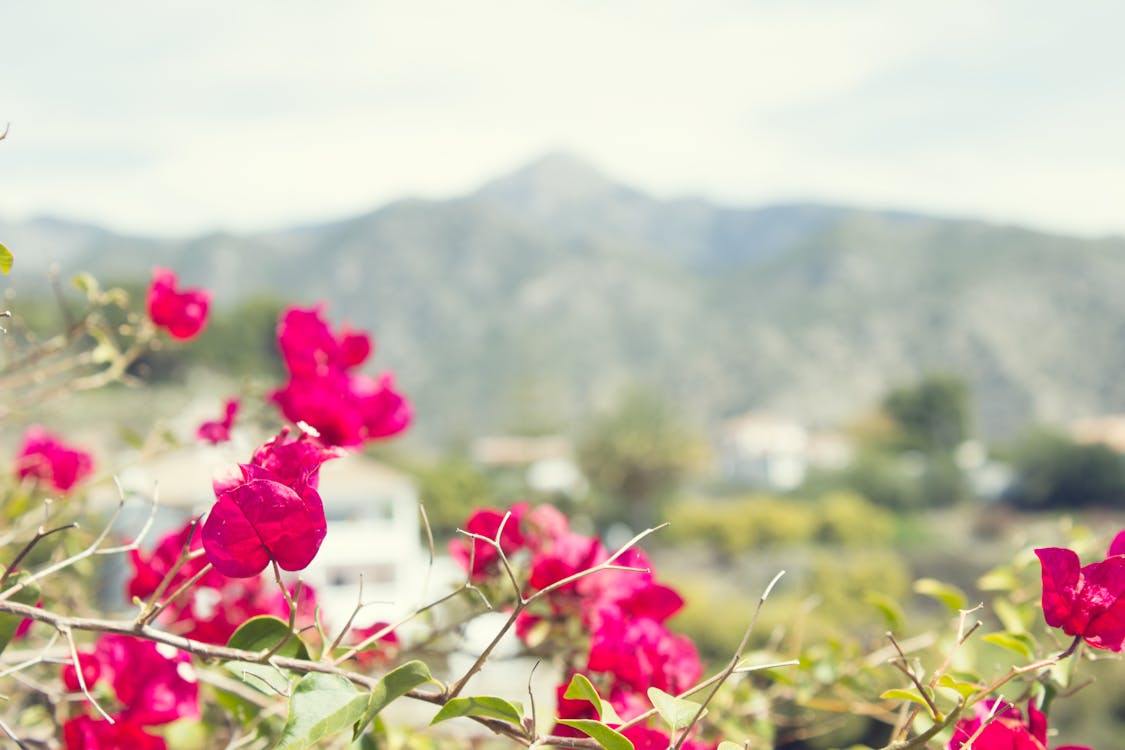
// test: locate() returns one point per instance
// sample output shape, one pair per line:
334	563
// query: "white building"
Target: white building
777	452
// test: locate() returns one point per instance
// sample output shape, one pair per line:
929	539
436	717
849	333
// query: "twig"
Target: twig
147	611
901	665
4	727
359	605
176	594
523	602
40	535
731	666
78	670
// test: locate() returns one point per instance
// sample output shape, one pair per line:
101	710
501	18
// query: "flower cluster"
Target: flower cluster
214	606
269	509
996	725
46	458
182	314
345	407
1086	602
630	649
153	684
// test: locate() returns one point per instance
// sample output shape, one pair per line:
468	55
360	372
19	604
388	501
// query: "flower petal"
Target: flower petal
231	541
1061	571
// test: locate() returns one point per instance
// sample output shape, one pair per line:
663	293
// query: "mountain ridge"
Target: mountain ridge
543	293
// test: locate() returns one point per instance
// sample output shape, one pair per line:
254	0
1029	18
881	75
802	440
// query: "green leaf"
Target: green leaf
261	634
889	607
1020	643
906	695
946	593
728	745
244	711
322	704
676	712
481	705
580	688
1010	616
6	259
1000	579
395	684
28	595
965	689
600	733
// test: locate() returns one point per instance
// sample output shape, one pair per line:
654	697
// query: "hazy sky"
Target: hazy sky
151	117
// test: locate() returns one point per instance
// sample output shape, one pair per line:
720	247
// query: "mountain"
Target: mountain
541	295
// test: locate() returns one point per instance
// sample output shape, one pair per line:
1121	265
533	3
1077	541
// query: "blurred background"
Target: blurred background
834	287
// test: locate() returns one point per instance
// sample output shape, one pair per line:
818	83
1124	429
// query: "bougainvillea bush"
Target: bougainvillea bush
226	647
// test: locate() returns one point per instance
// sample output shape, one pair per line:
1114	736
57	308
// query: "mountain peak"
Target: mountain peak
553	181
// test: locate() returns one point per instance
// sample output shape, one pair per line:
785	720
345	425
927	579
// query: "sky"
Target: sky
177	119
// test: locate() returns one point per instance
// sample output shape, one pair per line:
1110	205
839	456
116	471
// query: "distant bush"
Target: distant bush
734	526
1053	471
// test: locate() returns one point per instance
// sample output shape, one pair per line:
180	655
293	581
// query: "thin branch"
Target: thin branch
147	612
175	595
4	727
40	535
359	605
382	632
901	665
731	666
93	549
78	670
522	602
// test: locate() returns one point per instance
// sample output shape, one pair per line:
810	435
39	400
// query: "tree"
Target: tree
637	454
1053	471
932	415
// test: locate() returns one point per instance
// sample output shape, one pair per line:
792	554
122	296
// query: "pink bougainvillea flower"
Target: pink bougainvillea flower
634	593
215	605
997	725
483	556
219	431
565	556
382	652
642	653
1086	602
646	738
91	672
269	509
182	314
1117	546
87	733
167	692
47	458
346	408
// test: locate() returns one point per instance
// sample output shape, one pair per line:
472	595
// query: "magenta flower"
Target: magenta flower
182	314
483	556
1117	546
997	725
642	653
1086	602
382	652
154	684
346	408
215	605
268	509
646	738
219	431
47	458
86	733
